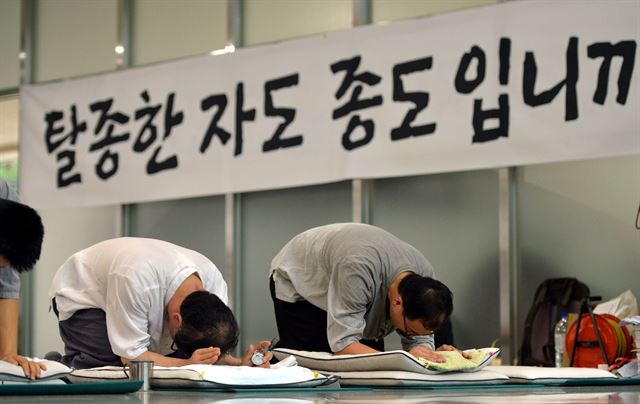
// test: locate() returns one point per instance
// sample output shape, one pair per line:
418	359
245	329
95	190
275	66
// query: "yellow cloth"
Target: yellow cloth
455	361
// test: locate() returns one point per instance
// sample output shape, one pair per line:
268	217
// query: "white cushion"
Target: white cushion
412	379
541	375
380	361
211	376
11	372
101	373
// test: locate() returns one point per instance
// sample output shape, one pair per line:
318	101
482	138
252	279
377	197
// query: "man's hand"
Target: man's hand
427	353
246	359
31	369
205	356
445	347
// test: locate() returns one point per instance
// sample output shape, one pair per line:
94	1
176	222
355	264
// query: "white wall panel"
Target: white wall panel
74	38
171	29
276	20
9	43
389	10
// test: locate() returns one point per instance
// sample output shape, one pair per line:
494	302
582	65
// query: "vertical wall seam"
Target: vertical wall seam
360	188
27	33
509	262
124	212
233	207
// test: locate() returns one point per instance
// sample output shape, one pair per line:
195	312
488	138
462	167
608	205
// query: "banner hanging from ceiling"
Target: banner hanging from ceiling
513	84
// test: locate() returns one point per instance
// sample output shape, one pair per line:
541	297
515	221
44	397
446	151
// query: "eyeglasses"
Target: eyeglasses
406	333
410	334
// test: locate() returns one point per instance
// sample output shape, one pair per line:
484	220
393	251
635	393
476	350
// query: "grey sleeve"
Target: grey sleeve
350	293
9	283
6	192
9	277
409	343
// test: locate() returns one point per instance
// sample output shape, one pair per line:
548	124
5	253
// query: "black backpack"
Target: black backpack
552	298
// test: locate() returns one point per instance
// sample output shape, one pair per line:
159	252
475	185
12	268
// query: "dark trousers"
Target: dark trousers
86	342
303	326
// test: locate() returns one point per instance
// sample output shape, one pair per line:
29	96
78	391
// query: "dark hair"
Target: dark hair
426	299
206	322
21	234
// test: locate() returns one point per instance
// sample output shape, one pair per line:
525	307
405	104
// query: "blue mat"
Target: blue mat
30	389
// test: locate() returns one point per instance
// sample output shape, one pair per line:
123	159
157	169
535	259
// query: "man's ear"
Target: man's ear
397	301
177	318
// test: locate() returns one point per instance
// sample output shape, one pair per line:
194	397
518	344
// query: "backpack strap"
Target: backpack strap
568	291
566	286
540	297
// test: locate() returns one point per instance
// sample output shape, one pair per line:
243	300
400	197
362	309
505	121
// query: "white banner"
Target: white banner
513	84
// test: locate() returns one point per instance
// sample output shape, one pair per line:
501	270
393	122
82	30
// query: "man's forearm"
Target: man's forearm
231	360
158	360
355	348
9	309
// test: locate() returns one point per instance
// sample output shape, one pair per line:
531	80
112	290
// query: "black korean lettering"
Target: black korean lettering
64	180
479	117
171	120
464	86
55	139
367	125
154	166
289	114
607	51
241	116
505	57
148	132
355	103
219	100
107	164
52	139
108	120
569	82
51	118
103	108
420	99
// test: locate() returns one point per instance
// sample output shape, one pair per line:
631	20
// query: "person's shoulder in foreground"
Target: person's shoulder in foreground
21	235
